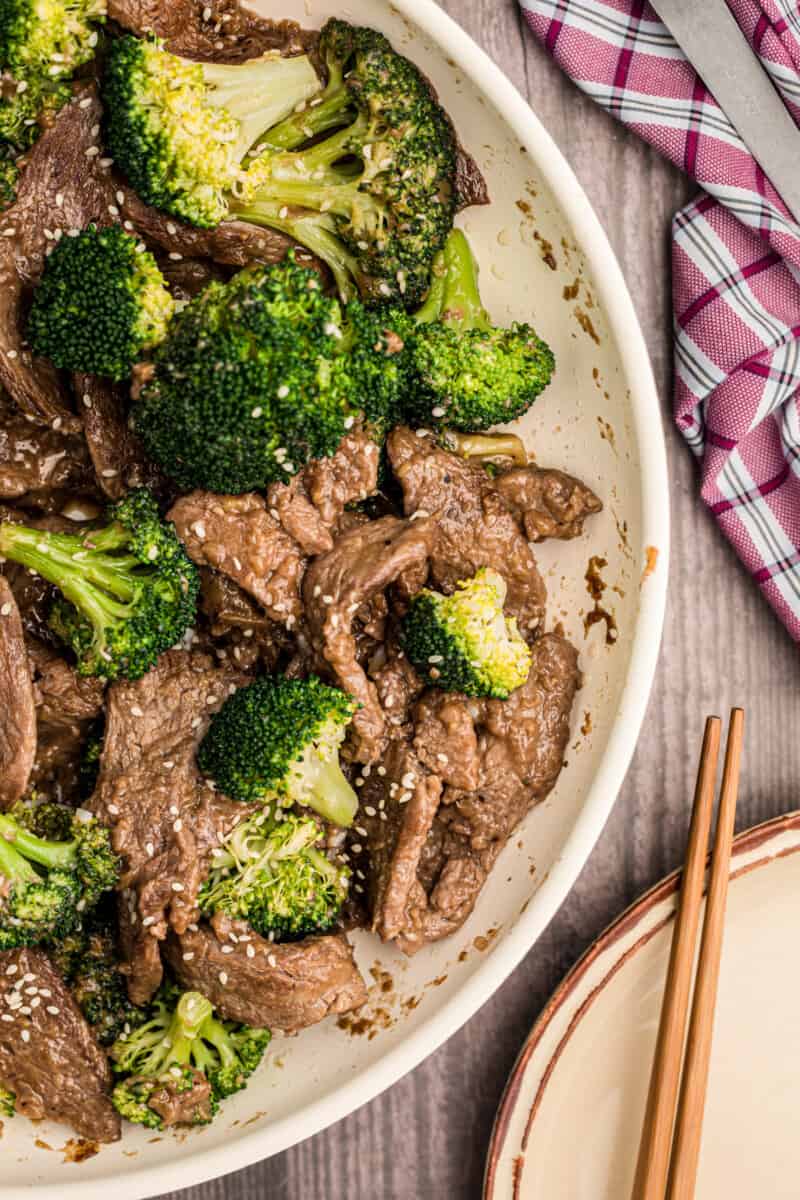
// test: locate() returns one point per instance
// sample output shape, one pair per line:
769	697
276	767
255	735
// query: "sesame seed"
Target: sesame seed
112	208
150	848
178	826
112	808
188	956
356	847
272	960
199	528
370	811
381	770
227	949
148	921
283	392
6	1017
121	200
223	978
91	151
435	658
6	609
53	1009
35	1002
25	1035
177	887
175	256
257	411
11	354
283	213
108	473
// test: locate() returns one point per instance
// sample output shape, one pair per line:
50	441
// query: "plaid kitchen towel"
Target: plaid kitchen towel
735	262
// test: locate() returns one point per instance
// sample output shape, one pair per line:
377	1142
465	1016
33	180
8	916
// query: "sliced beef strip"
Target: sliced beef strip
288	986
164	818
67	705
39	467
58	169
238	537
474	526
445	739
116	452
215	31
547	503
363	563
188	277
397	685
521	743
17	711
242	632
48	1055
311	506
178	1105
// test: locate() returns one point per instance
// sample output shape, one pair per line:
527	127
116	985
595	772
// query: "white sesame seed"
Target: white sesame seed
177	887
121	199
356	847
438	411
6	1017
227	949
175	256
174	810
11	354
112	808
5	610
136	711
150	848
113	209
108	473
223	978
25	1035
199	528
370	811
272	960
283	213
283	392
53	1009
188	956
148	921
92	151
257	411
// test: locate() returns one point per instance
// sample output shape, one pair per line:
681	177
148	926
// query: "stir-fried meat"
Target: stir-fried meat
40	467
242	633
48	1056
510	753
250	979
473	524
547	503
164	818
61	188
237	536
215	31
67	704
397	685
178	1104
310	507
363	563
117	455
188	277
17	712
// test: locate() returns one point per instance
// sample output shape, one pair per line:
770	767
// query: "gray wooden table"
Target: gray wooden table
426	1138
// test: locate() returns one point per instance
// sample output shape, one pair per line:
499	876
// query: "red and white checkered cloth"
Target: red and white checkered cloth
735	264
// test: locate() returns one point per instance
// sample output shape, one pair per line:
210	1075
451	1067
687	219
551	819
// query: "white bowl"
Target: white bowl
600	419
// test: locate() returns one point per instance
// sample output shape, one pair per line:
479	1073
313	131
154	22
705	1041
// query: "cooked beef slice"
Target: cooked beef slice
62	187
164	818
238	537
363	563
397	808
396	683
547	503
48	1055
445	740
116	452
17	711
511	757
311	506
474	526
242	632
219	31
178	1105
39	467
67	704
470	184
247	978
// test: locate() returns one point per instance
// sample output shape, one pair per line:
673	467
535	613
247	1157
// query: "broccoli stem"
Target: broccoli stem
26	846
454	296
12	865
332	110
331	795
180	1040
78	571
215	1033
315	232
487	446
261	92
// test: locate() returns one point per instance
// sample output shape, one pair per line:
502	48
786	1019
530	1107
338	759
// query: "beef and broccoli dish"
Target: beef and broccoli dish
274	656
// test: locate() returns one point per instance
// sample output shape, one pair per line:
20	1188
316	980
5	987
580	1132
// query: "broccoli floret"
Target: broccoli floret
243	390
89	963
375	363
48	38
278	739
179	129
183	1049
45	818
471	374
271	873
48	884
129	590
101	302
8	1102
375	197
464	642
9	175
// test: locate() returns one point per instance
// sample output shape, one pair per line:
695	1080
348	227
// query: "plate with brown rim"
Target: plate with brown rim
568	1125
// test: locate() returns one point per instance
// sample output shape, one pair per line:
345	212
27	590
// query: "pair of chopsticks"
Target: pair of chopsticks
673	1121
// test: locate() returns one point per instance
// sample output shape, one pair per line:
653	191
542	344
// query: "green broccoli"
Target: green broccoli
464	642
179	129
48	38
88	961
244	390
279	739
9	175
44	818
27	106
271	873
182	1049
89	765
374	363
48	884
101	302
471	374
374	196
8	1102
129	590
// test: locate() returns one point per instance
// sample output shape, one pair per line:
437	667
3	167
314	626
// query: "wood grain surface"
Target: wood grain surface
426	1138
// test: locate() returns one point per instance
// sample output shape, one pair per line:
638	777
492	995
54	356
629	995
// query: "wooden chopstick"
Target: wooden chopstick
654	1148
669	1147
691	1105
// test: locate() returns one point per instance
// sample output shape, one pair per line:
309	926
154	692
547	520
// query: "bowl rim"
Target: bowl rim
617	303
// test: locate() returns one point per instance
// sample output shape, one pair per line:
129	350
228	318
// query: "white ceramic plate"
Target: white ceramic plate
569	1123
600	420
